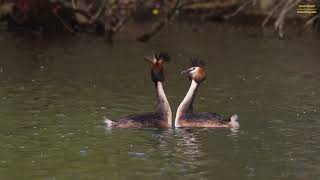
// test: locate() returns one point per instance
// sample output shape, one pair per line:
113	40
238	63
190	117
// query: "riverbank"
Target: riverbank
107	19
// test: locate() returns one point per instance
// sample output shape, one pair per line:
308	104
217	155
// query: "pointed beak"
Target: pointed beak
186	71
149	59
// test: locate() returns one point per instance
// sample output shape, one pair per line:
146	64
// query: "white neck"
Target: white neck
186	104
163	104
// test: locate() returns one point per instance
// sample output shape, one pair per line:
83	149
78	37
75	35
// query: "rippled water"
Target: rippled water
54	93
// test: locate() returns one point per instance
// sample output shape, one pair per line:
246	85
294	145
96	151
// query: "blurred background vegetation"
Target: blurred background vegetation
107	17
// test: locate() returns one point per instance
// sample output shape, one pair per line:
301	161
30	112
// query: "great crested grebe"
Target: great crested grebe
185	117
162	117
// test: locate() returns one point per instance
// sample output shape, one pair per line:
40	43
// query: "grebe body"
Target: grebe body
162	117
185	117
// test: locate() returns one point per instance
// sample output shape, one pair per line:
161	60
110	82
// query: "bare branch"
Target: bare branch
311	20
99	12
279	24
74	5
241	8
188	3
270	14
67	27
121	24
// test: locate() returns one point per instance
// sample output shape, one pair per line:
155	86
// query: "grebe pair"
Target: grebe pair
185	117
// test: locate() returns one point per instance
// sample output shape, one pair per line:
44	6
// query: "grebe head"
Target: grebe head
197	71
157	64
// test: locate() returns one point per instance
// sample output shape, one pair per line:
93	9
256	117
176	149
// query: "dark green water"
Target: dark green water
54	93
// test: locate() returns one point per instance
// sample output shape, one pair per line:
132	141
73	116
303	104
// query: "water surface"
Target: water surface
54	93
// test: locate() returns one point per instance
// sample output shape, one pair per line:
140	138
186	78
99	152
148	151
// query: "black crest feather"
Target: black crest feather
162	55
195	62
